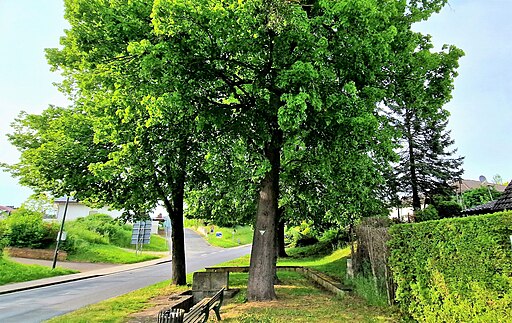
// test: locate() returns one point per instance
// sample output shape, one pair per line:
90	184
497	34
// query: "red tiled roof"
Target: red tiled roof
6	209
469	184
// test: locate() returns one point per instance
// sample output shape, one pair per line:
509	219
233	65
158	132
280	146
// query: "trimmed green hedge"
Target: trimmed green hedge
454	270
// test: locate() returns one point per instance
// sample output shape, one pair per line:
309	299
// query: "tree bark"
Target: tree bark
416	202
262	268
280	235
174	207
175	210
179	273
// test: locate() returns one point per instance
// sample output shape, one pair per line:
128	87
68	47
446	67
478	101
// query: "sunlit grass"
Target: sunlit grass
230	237
298	299
118	309
13	272
109	254
334	264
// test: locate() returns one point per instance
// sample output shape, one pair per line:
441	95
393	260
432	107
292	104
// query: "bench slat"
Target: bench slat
200	311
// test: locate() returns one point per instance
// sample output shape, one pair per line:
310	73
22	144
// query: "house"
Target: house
504	203
406	213
79	210
5	210
468	184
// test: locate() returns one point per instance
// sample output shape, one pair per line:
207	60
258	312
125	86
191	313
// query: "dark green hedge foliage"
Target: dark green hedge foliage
25	228
454	270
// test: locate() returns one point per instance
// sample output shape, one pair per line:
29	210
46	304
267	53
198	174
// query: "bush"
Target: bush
301	236
454	270
368	288
448	209
3	238
427	214
26	229
97	229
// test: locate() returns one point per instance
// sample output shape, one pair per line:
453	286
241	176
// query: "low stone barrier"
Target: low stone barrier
35	253
318	277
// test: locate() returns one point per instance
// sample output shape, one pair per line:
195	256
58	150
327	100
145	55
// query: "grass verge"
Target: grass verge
231	237
298	299
119	309
108	254
13	272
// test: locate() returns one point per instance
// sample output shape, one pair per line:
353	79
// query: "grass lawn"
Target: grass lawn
156	243
298	299
118	309
230	238
109	254
13	272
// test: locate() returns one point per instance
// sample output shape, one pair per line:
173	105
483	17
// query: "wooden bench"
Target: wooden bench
172	315
201	311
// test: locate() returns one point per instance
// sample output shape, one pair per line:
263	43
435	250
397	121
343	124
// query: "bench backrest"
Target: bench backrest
200	312
217	298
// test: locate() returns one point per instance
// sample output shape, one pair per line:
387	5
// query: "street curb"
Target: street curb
18	287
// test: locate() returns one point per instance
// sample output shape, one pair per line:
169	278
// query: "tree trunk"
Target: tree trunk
179	273
416	202
262	268
175	210
280	235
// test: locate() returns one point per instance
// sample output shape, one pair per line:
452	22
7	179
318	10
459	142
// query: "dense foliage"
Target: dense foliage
25	228
239	107
454	270
92	234
479	196
3	239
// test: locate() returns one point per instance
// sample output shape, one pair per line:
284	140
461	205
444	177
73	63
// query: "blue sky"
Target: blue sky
480	109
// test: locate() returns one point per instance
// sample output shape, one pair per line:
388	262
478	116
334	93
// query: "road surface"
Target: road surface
39	304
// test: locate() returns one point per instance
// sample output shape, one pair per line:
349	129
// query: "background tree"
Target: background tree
110	76
56	148
427	165
497	179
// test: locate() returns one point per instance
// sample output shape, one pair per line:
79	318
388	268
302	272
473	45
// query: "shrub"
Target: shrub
427	214
454	270
367	287
25	228
448	209
3	238
301	236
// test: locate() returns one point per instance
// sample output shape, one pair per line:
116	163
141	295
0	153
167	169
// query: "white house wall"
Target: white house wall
77	210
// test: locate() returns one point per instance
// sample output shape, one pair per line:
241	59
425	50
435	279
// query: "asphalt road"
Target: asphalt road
39	304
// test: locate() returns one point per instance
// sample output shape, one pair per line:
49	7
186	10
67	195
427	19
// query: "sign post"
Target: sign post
59	236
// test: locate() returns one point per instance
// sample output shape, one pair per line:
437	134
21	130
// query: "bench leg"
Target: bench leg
217	312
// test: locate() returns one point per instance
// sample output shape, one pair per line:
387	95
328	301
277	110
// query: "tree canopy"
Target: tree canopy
249	105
